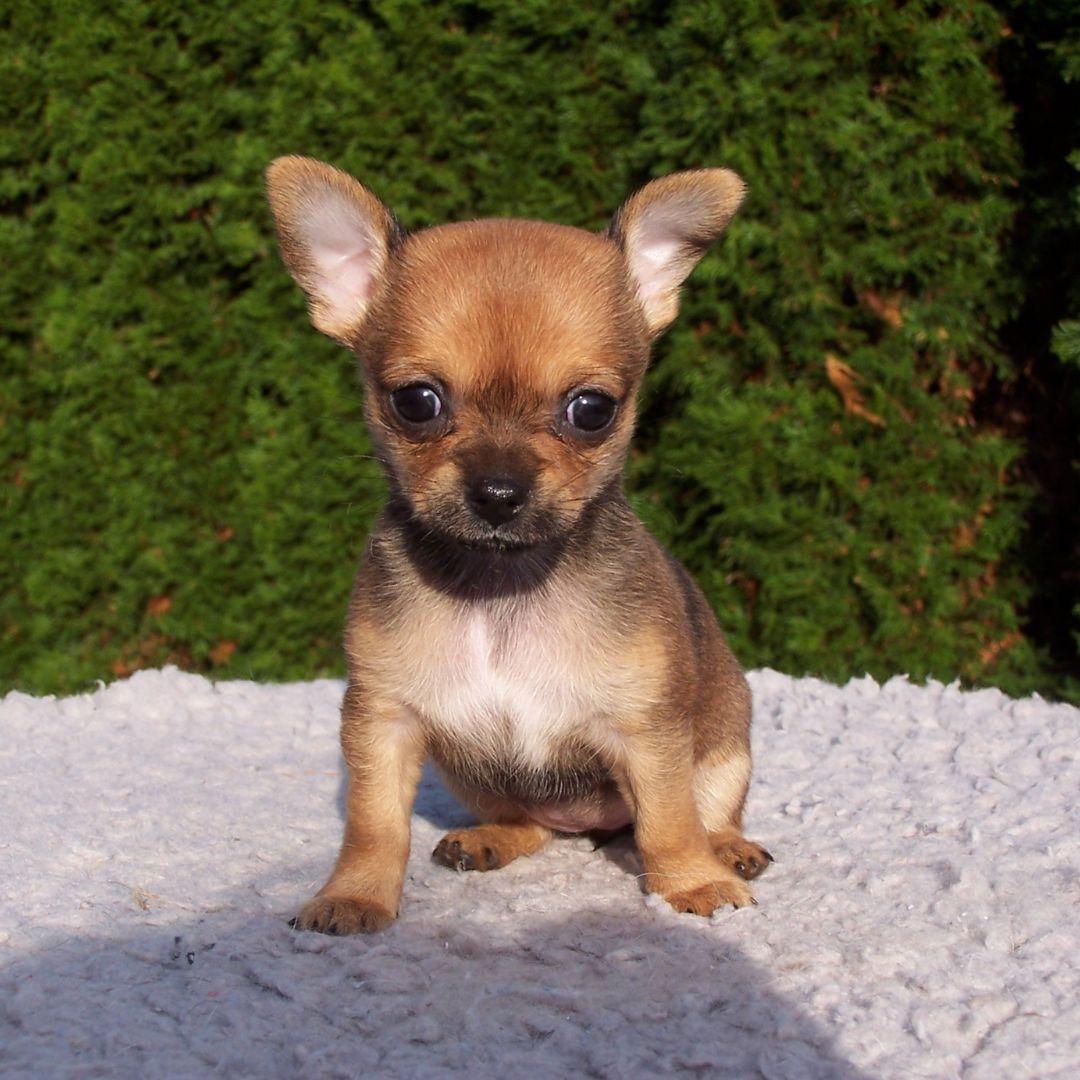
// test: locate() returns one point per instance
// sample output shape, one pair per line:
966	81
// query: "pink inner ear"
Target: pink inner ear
654	247
347	281
345	252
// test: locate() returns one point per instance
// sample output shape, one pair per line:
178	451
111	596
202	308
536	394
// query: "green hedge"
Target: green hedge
1040	64
185	474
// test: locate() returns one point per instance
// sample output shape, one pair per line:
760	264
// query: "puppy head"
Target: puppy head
501	358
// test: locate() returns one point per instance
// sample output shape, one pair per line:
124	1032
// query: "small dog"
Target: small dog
512	618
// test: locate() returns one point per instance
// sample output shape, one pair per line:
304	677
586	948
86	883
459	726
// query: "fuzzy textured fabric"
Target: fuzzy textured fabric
920	920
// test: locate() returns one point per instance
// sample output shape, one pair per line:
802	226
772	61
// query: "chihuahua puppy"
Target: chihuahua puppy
512	618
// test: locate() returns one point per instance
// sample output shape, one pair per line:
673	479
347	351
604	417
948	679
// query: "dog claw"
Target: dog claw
341	915
486	847
451	854
747	859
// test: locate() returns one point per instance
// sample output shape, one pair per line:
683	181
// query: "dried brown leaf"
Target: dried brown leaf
844	379
221	652
886	308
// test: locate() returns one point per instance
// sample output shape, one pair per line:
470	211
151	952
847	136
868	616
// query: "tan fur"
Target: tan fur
746	858
693	208
384	755
489	847
721	780
561	669
299	189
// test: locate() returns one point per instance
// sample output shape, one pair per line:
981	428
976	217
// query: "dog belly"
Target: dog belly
605	814
573	792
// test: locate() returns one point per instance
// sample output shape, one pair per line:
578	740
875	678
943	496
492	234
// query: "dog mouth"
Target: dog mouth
469	535
495	542
494	545
470	562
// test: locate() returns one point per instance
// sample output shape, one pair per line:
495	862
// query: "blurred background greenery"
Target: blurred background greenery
861	434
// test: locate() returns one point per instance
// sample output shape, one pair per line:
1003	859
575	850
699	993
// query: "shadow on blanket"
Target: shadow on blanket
609	993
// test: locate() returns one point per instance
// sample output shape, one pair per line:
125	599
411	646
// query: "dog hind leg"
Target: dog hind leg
505	834
720	786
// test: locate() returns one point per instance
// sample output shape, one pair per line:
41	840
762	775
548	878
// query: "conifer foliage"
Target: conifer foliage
184	473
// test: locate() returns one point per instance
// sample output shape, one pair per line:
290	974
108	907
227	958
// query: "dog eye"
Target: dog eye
590	411
417	404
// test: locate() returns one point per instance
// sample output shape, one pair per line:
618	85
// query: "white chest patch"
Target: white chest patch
502	673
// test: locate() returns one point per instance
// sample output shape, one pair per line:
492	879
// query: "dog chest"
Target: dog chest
490	678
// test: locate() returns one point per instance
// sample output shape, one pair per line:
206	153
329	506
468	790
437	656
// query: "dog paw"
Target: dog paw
747	859
465	850
705	899
342	915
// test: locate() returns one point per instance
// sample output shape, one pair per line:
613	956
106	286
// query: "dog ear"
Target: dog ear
665	227
335	238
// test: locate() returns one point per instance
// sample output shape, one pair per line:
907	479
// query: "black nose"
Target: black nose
497	498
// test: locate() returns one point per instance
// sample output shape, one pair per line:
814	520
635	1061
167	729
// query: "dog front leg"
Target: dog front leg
385	754
657	782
